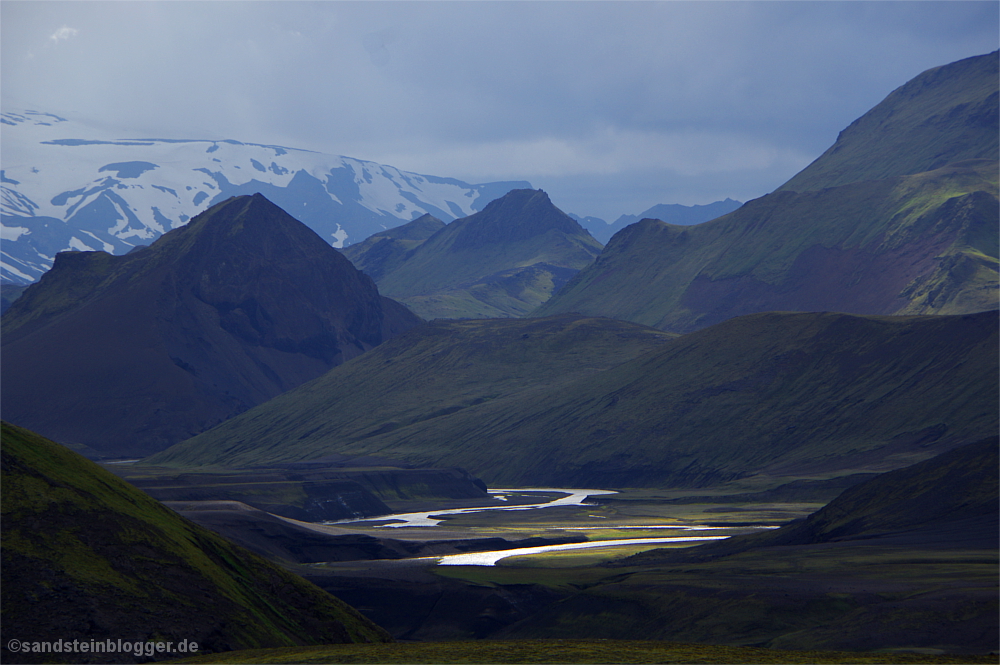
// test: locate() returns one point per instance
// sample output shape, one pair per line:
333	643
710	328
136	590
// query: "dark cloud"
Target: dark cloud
597	101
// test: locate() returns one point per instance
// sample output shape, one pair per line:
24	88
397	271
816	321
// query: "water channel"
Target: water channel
573	497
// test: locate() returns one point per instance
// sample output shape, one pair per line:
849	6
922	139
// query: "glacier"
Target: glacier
69	185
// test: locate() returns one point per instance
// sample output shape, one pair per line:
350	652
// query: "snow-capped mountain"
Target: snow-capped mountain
67	185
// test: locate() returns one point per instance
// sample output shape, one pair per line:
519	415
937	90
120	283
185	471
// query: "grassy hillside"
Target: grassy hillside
426	376
918	244
502	261
776	395
898	217
383	252
88	556
945	115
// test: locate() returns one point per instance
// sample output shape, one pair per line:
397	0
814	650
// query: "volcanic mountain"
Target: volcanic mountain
128	354
86	556
500	262
566	401
898	217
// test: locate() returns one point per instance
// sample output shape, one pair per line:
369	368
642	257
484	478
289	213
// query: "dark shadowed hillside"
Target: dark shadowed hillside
87	556
129	354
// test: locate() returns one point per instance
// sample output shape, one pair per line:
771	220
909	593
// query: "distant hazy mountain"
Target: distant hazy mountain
67	186
899	217
503	261
86	556
129	354
570	402
672	213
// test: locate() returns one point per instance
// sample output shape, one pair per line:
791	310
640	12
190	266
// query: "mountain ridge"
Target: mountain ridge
773	395
69	186
236	307
502	261
900	243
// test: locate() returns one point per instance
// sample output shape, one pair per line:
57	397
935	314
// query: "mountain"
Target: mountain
69	185
500	262
383	252
128	354
901	242
421	378
88	557
947	114
672	213
519	403
949	499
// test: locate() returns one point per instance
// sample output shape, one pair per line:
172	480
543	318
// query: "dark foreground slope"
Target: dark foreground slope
773	395
502	261
88	557
898	218
129	354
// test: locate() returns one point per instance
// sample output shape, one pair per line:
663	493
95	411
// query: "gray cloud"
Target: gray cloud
598	102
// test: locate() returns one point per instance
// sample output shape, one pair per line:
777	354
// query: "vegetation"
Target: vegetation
947	114
519	403
898	217
502	261
918	244
87	556
566	651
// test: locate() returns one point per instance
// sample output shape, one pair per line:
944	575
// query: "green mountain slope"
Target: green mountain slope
87	556
502	261
427	376
946	114
899	242
383	252
920	244
129	354
773	395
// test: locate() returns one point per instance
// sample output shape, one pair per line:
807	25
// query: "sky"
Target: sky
611	107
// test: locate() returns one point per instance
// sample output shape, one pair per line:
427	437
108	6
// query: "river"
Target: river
573	497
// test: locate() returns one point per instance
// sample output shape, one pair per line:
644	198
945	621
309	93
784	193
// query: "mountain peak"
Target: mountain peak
237	306
517	216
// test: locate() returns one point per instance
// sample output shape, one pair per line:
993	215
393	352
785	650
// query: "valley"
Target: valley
484	435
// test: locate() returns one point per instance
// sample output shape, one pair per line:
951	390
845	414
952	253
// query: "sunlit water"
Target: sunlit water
574	497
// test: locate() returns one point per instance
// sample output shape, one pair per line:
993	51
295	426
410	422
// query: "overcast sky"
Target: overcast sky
611	107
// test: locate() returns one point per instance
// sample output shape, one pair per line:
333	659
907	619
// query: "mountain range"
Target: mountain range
69	185
125	355
505	260
672	213
565	402
898	217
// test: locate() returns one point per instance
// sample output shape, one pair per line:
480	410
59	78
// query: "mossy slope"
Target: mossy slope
87	556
